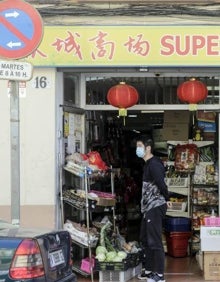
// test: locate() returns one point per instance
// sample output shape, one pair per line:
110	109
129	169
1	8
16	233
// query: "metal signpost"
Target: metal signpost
21	30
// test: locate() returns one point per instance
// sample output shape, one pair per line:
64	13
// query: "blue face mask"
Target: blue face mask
140	152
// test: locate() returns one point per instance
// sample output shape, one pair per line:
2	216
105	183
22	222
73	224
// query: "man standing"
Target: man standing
154	204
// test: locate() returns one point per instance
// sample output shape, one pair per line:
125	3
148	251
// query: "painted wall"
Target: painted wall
37	150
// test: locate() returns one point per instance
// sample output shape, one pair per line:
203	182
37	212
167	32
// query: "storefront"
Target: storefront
73	69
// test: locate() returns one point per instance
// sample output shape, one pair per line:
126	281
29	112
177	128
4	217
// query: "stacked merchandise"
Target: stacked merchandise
206	122
210	242
116	260
177	230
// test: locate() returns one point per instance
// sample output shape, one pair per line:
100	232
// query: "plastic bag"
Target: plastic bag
186	157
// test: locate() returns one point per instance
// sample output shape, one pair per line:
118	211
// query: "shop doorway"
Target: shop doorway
105	131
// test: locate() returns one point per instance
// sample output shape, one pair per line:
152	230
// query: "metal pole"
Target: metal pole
15	152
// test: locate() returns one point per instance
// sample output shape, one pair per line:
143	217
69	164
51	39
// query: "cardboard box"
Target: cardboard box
176	117
158	135
176	131
199	259
210	238
105	202
212	266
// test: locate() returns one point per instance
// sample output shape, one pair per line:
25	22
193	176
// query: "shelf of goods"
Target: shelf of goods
204	198
178	187
179	208
86	235
183	156
204	203
200	188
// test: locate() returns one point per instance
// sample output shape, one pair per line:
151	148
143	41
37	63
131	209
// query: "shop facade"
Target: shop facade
73	69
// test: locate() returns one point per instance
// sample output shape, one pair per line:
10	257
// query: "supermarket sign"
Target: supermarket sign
141	46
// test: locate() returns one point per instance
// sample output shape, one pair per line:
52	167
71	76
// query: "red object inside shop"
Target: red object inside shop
192	91
122	96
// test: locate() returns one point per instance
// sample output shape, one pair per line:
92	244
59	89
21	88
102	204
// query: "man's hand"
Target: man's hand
169	204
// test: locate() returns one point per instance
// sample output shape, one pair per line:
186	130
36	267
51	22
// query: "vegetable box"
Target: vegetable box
131	260
112	265
119	276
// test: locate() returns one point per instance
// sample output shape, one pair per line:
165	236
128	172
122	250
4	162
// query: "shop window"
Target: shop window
157	90
71	89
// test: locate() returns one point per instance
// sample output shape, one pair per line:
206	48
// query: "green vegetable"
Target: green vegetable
122	254
100	257
110	255
100	250
117	259
104	233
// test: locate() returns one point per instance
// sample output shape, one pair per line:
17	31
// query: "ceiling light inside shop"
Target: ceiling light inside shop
132	116
151	112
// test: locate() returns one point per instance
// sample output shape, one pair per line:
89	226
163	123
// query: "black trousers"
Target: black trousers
151	239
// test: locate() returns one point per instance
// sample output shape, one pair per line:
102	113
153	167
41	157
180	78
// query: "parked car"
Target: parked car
34	255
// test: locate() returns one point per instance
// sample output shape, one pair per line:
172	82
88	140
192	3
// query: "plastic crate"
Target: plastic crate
177	182
178	206
137	269
177	243
177	224
110	265
116	276
132	260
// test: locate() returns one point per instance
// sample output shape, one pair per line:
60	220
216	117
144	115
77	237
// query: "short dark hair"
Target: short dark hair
146	141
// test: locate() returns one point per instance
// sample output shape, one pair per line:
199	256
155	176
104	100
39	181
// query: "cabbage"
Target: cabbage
117	259
100	257
100	250
122	254
110	255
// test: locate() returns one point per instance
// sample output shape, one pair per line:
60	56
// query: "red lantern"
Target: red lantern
122	96
193	92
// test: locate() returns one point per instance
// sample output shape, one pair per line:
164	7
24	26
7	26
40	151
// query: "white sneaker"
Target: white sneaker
144	276
156	278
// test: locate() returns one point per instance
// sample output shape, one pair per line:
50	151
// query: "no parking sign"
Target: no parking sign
21	29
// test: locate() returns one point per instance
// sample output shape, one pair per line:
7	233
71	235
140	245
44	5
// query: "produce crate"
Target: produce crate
79	202
132	260
177	243
137	269
79	236
110	265
116	276
177	224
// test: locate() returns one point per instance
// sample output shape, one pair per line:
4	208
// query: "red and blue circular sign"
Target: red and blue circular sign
21	29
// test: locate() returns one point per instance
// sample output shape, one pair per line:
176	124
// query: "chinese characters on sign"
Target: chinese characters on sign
133	45
103	48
